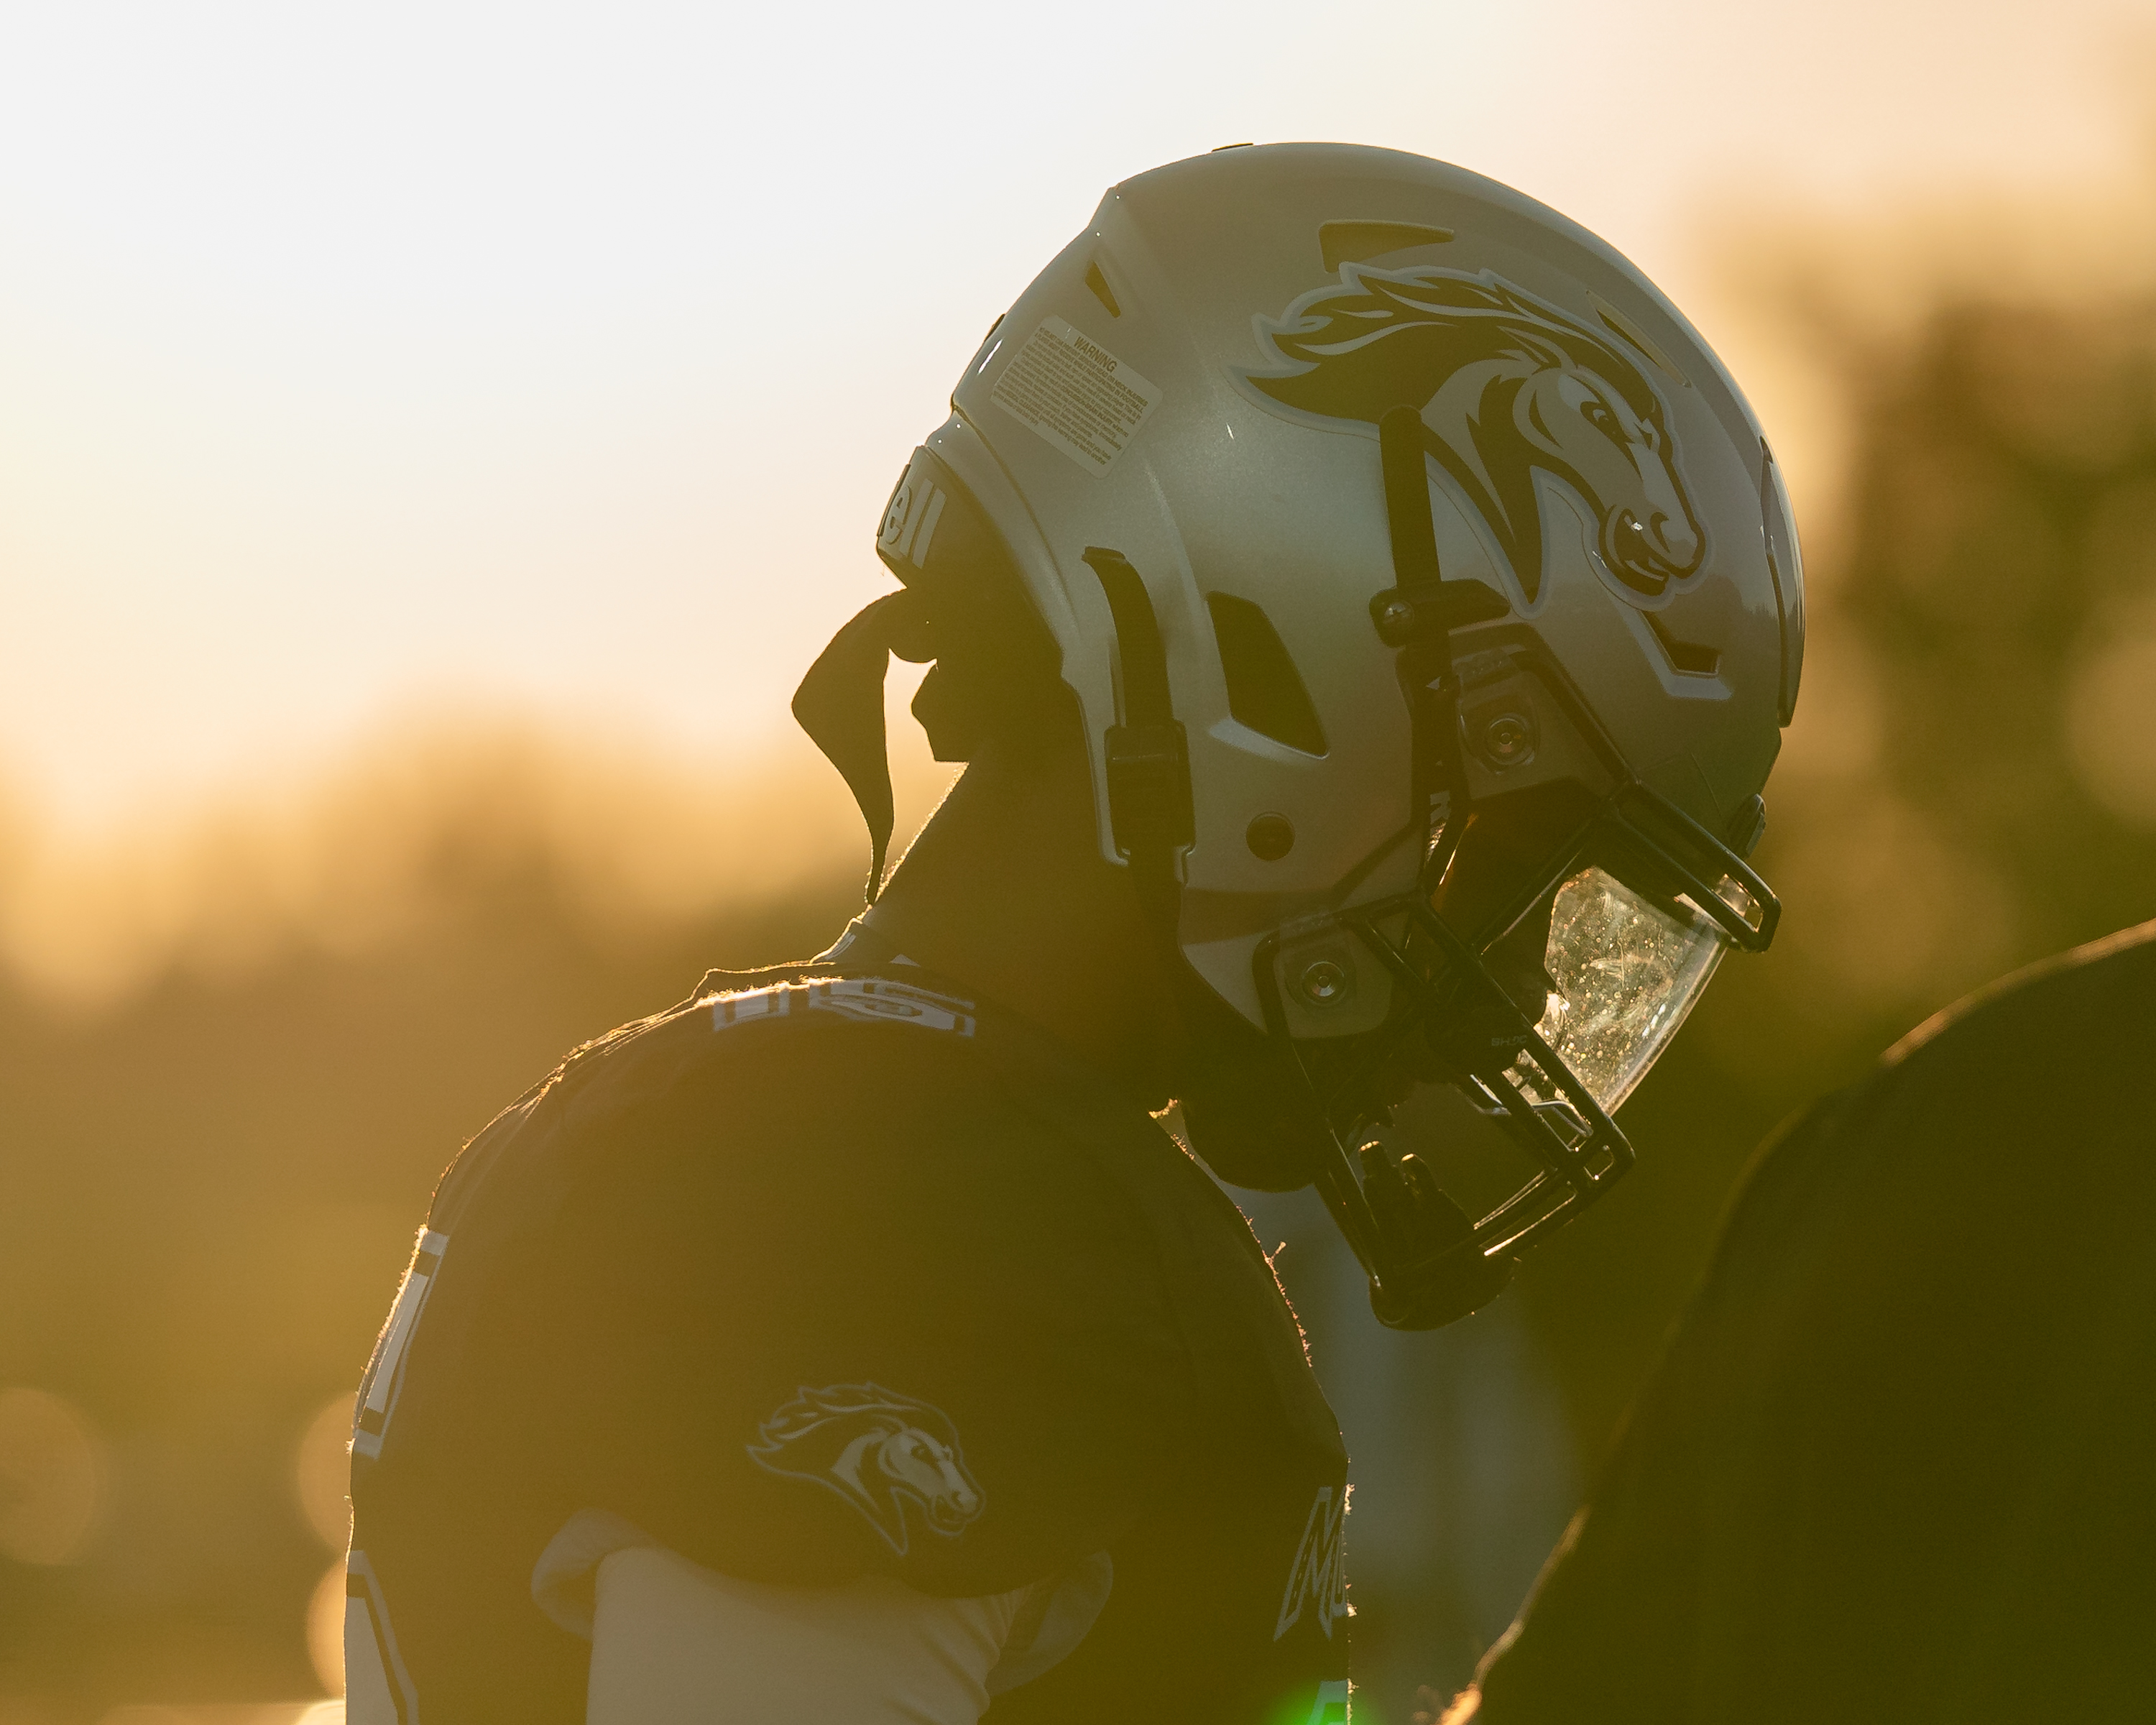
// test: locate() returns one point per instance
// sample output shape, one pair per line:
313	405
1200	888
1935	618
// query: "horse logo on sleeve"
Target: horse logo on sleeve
1508	386
879	1451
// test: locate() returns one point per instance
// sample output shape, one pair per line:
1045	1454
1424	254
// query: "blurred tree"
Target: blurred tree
2006	551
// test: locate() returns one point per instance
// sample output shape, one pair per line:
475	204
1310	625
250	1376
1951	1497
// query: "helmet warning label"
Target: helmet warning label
1074	394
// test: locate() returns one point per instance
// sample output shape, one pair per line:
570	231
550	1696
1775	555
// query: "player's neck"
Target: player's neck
1005	892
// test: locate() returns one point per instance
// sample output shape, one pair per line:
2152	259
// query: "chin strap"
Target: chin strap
1148	753
840	704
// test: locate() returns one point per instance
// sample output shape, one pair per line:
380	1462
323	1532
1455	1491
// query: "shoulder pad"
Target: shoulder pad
861	998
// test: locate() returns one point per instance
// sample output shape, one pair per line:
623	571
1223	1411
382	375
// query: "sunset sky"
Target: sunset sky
357	360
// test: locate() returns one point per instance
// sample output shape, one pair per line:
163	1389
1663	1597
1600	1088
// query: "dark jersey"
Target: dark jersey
1900	1463
838	1278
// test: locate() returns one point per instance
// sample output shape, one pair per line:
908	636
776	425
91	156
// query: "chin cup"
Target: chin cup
1424	1264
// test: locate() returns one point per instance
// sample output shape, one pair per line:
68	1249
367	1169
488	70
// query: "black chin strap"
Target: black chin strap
1148	755
1417	615
840	704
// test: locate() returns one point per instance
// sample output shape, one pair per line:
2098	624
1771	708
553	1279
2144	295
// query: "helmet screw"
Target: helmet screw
1271	837
1508	740
1394	620
1323	983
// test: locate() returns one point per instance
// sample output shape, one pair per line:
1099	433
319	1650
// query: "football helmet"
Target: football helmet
1433	603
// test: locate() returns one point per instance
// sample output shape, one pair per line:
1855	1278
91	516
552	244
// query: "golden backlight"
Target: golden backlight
435	440
564	357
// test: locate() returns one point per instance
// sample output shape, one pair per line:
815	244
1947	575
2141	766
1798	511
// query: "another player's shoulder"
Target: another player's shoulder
1989	1113
2033	1059
2097	998
2031	1048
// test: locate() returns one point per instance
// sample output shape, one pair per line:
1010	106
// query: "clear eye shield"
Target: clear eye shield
1624	972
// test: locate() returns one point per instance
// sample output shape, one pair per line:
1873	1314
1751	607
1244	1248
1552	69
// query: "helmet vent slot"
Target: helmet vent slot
1266	692
1690	658
1102	291
1357	242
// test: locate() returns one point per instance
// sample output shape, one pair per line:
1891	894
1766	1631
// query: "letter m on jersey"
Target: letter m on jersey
1318	1577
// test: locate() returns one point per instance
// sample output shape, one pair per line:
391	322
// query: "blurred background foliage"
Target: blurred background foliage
217	1139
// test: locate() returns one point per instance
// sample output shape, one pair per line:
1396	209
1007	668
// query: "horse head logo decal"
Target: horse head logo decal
1507	384
877	1450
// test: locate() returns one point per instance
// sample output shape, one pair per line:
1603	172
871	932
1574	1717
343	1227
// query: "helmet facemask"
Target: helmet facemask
1557	936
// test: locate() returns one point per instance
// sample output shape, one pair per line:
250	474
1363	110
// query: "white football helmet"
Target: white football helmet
1434	607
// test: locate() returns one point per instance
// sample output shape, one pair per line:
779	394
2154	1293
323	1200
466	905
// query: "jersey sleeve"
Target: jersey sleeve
669	1636
827	1306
